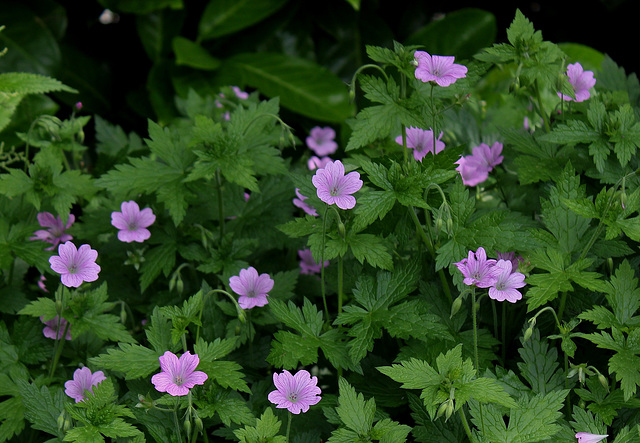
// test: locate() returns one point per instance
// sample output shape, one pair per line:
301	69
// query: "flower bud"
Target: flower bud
180	285
623	200
442	409
187	427
61	420
199	424
123	314
341	229
455	306
528	333
603	381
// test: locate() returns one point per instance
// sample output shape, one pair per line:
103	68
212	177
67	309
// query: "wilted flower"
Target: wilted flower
299	202
252	288
439	69
295	392
307	264
320	141
421	141
477	270
334	187
581	81
55	233
75	265
585	437
83	380
178	375
132	222
506	283
55	327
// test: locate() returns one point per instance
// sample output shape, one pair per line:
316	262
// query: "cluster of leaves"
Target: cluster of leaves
394	360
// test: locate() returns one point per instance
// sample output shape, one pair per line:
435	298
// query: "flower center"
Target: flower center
293	397
334	191
132	227
251	294
178	380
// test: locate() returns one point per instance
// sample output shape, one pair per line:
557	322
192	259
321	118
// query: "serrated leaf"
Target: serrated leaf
354	411
135	361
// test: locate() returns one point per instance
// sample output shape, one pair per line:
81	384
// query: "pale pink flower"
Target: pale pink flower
506	284
477	270
75	265
178	375
307	264
240	93
439	69
55	233
55	327
295	392
581	81
320	141
252	288
472	170
510	256
334	187
306	207
83	380
132	222
585	437
317	162
421	141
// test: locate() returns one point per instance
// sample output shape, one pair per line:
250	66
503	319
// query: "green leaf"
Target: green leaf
226	373
27	83
222	17
265	430
354	411
42	406
371	248
141	6
12	413
193	55
539	366
303	86
135	361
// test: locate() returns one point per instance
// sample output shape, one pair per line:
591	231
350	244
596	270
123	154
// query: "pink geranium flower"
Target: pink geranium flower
83	380
295	392
477	270
506	283
55	327
439	69
132	222
178	375
474	169
240	93
308	265
317	162
581	81
299	202
320	141
585	437
334	187
75	265
252	288
55	233
421	141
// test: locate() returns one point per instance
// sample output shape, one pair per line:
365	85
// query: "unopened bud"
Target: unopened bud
455	306
603	381
352	94
341	229
187	427
123	314
199	424
623	200
438	223
528	333
61	420
442	409
78	106
180	285
449	225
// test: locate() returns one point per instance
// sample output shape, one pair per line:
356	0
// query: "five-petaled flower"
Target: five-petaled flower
421	141
581	81
252	288
132	222
585	437
477	270
55	233
75	265
306	207
55	327
83	380
308	265
178	375
507	283
295	392
320	141
475	168
334	187
439	69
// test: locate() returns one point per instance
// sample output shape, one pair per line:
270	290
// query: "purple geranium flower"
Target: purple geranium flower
251	287
477	270
299	202
55	327
75	265
321	141
333	187
439	69
317	162
510	256
421	141
83	380
295	392
132	222
585	437
506	283
475	168
307	264
55	233
178	375
581	81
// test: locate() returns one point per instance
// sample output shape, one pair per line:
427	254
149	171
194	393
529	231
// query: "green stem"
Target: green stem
175	419
288	426
184	342
504	333
340	283
465	424
475	328
60	340
220	204
563	302
322	284
544	115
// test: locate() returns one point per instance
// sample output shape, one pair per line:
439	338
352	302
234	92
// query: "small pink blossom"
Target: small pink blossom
83	380
252	288
334	187
178	375
317	162
421	141
477	270
320	141
240	93
75	265
306	207
506	283
295	392
55	233
132	222
439	69
55	327
585	437
41	281
308	265
581	81
474	169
